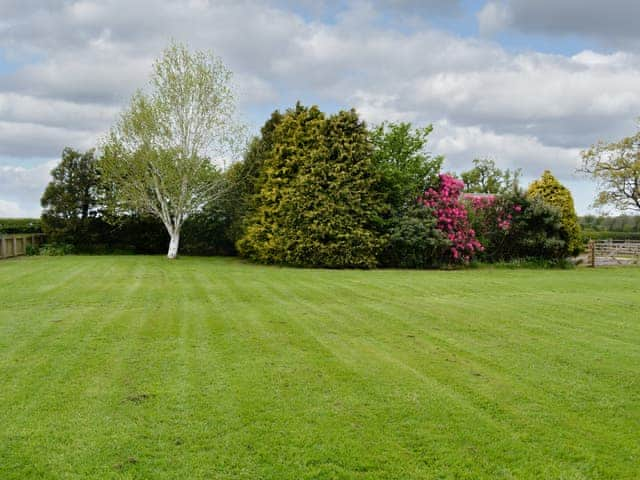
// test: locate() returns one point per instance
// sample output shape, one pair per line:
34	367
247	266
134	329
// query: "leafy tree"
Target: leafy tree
616	168
486	177
316	204
552	192
158	157
244	179
71	197
403	164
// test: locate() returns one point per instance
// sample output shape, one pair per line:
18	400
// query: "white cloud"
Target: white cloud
53	112
85	58
613	22
493	17
509	151
10	210
21	188
27	140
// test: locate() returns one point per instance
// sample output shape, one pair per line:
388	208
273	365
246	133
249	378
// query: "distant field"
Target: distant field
137	367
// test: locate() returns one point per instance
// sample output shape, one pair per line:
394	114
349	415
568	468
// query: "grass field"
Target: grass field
137	367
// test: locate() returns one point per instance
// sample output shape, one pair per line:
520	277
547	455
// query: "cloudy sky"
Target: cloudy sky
527	82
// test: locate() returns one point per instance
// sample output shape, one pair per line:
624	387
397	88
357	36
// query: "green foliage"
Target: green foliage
56	249
205	233
404	166
71	199
75	215
131	233
20	225
538	233
157	158
608	235
621	227
552	192
243	181
414	240
514	227
486	177
620	223
317	205
531	263
616	168
32	250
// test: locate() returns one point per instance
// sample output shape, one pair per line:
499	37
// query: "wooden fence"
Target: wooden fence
614	252
16	244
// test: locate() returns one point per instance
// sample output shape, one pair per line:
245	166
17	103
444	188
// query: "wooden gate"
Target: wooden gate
614	252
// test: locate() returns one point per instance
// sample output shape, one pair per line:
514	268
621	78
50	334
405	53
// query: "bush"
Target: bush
620	223
317	204
132	234
205	233
20	225
137	234
552	192
608	235
514	227
535	263
414	240
32	250
452	219
494	219
244	181
56	249
539	233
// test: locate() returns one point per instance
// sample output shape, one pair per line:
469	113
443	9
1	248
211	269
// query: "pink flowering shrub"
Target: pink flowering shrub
490	214
492	218
452	218
511	227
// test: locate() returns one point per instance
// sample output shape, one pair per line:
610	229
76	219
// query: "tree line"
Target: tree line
310	190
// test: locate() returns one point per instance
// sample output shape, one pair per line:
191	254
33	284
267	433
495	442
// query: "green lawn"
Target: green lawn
137	367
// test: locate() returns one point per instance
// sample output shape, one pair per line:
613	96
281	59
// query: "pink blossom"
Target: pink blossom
452	215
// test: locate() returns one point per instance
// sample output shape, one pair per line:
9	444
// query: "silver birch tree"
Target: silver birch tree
161	157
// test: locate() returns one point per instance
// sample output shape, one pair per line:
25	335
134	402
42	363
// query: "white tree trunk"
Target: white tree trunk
173	244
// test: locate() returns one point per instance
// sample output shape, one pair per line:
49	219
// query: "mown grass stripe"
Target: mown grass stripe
136	367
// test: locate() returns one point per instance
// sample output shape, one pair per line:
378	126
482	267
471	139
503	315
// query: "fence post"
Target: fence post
2	254
592	254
